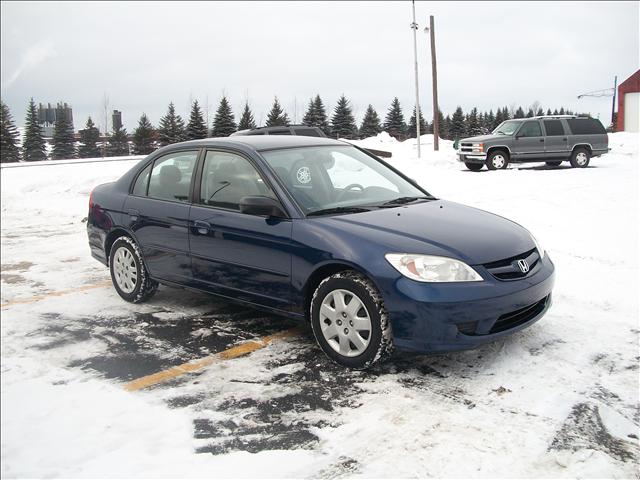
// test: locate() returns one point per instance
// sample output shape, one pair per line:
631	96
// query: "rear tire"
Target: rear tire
474	167
128	273
580	158
554	164
350	321
497	160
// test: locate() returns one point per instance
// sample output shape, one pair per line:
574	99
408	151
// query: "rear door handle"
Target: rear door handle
202	227
133	213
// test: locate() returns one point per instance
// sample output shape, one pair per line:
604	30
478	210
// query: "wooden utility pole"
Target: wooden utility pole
613	104
414	27
434	73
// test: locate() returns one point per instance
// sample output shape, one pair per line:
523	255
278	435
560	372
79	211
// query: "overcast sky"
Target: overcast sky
143	55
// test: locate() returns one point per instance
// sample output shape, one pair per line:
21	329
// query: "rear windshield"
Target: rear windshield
585	126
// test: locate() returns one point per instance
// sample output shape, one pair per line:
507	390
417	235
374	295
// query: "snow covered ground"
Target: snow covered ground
559	399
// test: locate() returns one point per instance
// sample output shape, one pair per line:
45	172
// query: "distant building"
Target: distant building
629	104
47	116
116	120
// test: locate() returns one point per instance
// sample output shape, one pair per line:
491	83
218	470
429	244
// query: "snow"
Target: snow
559	399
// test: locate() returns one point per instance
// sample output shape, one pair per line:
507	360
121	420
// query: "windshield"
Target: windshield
335	179
507	128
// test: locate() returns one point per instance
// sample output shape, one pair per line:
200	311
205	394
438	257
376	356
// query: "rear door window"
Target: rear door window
554	128
140	187
171	176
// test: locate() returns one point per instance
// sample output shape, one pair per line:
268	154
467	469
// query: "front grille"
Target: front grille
519	317
466	147
508	269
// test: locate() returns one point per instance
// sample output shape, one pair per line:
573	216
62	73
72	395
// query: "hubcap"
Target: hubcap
348	341
581	158
498	161
124	269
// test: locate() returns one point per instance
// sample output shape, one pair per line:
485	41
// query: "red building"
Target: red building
629	104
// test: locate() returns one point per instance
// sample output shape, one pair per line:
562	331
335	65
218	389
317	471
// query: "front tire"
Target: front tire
580	158
474	167
128	273
349	320
497	160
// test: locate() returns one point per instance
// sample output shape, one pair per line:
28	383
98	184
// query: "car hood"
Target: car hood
438	227
483	138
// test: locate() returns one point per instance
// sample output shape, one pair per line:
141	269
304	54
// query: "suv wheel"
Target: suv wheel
497	160
554	164
580	158
350	321
128	273
474	167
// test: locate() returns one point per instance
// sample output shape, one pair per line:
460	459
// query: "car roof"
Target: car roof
263	142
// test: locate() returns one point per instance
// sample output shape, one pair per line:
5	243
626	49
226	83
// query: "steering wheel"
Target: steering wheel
348	188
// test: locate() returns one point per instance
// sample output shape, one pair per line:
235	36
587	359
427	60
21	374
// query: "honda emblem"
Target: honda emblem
524	266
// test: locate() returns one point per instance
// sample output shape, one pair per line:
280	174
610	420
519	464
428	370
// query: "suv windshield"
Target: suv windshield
340	179
507	128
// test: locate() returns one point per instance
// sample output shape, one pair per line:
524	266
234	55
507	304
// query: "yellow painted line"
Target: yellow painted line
39	298
233	352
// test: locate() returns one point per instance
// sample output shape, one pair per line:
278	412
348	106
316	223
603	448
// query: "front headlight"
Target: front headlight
478	147
429	268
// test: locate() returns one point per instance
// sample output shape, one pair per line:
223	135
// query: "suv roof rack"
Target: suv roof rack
555	116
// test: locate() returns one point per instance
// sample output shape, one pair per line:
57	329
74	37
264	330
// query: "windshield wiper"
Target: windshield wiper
403	200
327	211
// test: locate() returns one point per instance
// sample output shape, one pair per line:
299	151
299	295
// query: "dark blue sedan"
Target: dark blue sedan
321	230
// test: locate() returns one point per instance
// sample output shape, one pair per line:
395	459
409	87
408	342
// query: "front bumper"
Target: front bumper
469	157
447	317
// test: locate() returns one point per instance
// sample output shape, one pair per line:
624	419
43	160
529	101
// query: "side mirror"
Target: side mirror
262	206
519	136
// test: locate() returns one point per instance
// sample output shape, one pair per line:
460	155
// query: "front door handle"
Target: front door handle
542	139
133	213
202	227
564	139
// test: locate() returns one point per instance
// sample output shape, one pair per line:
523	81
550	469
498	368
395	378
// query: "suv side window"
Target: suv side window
530	129
585	126
554	128
283	131
307	132
227	177
171	176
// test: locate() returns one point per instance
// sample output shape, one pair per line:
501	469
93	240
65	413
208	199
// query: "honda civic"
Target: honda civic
318	229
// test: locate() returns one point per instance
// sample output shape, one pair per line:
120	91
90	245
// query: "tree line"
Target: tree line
173	129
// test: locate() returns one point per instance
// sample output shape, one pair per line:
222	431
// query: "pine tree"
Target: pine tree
411	129
171	129
246	121
277	116
473	126
445	128
118	142
505	114
196	128
143	137
224	123
343	124
9	151
499	118
394	123
64	142
490	121
89	138
540	112
33	145
310	116
370	126
530	113
555	112
549	111
322	120
562	112
457	129
519	113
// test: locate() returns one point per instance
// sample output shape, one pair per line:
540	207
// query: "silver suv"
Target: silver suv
550	139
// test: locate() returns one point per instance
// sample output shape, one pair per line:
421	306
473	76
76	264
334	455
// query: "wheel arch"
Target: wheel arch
587	146
502	148
324	271
112	236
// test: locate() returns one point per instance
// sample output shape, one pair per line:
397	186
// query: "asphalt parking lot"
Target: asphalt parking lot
247	383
